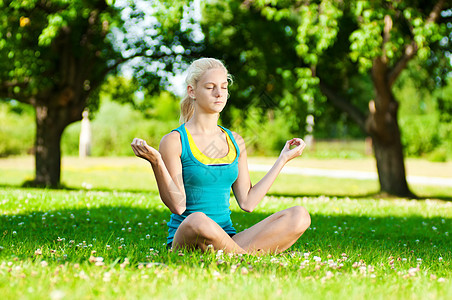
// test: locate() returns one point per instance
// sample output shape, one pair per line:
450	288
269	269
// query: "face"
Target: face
211	91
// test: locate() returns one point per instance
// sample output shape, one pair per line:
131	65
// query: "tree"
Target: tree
260	54
336	39
55	54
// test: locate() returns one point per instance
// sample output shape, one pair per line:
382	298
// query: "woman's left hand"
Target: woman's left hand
288	154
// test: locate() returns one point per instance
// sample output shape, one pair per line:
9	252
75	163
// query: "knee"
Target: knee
197	223
300	219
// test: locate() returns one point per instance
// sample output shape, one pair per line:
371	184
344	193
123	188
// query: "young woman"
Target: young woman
198	163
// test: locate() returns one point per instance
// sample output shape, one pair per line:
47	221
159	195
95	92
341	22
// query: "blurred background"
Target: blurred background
356	79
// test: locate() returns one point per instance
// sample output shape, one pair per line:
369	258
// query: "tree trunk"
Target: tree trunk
390	163
383	127
52	117
47	146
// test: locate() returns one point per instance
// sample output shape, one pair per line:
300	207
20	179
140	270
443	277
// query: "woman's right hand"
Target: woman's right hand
143	150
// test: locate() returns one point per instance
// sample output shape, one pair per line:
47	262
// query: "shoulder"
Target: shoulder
239	140
171	143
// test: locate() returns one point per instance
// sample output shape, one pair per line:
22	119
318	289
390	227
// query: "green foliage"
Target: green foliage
42	40
336	39
162	106
265	134
419	133
17	129
424	114
116	125
260	55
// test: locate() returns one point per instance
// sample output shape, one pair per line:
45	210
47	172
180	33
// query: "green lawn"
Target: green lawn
108	242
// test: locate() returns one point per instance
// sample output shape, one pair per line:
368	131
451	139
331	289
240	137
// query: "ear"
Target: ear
190	91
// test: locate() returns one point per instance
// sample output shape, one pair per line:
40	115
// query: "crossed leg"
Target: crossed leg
274	234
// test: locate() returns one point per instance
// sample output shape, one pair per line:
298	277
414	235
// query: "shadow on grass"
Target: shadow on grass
123	231
374	195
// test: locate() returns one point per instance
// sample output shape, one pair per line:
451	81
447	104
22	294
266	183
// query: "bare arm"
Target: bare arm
167	169
249	196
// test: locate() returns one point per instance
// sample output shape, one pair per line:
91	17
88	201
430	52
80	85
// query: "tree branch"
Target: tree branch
410	52
343	105
7	86
411	49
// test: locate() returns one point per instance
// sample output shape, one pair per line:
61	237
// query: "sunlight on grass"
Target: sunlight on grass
104	237
85	244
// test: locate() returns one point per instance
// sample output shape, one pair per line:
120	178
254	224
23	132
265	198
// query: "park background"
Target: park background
345	65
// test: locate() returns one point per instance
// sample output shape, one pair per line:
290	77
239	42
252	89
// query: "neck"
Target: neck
203	123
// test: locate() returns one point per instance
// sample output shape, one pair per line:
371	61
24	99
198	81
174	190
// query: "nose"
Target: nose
217	92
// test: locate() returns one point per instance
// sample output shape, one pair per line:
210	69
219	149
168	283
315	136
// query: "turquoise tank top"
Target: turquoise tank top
207	187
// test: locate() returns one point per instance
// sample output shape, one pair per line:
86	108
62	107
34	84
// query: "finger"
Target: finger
296	141
137	153
287	146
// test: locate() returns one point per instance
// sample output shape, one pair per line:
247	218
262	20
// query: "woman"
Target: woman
198	163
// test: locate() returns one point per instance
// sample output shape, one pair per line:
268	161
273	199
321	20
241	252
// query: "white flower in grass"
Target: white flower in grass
219	253
148	236
107	276
44	263
57	295
233	268
306	254
99	263
38	252
329	275
363	269
441	279
14	233
412	271
216	274
317	259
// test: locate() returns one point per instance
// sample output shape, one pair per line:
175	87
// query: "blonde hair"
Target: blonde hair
194	73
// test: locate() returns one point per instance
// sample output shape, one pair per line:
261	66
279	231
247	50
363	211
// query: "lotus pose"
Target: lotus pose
198	163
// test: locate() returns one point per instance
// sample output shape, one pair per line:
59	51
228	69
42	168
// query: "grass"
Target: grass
109	242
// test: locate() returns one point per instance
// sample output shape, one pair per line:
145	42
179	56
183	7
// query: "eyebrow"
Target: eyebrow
210	82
